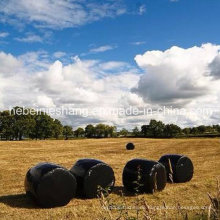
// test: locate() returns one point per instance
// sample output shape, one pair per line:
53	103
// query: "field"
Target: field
17	157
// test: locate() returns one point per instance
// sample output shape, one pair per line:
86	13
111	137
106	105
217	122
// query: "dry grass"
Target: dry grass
17	157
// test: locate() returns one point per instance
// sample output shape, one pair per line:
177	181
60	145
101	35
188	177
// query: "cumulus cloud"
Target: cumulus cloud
8	64
80	84
58	14
215	67
175	76
178	77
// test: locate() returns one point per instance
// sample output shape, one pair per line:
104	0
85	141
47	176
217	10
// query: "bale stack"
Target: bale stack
93	176
144	176
130	146
179	167
50	185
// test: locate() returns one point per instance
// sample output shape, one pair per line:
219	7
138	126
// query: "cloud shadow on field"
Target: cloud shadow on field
18	201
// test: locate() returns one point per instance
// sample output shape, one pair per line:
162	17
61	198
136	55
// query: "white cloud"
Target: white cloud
112	65
215	67
30	38
8	64
44	101
58	14
3	34
175	76
102	49
59	54
142	9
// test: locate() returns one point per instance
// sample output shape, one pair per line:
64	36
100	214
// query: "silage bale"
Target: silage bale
50	185
144	176
179	167
93	176
130	146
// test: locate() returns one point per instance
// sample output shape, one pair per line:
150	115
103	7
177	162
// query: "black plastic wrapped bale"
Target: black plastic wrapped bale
144	176
50	185
93	176
179	167
130	146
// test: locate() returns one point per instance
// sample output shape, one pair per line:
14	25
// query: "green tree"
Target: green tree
67	132
194	131
144	130
44	126
155	129
123	132
23	122
136	132
202	129
79	132
90	131
172	130
6	125
186	131
100	130
57	128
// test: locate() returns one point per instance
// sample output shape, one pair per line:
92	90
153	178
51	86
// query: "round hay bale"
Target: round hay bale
50	185
130	146
144	176
179	167
93	176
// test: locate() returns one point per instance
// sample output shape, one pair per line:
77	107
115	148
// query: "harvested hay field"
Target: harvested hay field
17	157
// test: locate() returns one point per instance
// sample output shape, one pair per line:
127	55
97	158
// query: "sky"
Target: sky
111	55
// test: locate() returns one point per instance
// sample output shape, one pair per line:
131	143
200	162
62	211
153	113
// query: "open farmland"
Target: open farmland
17	157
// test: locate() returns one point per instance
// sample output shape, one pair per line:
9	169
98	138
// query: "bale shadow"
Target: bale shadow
18	201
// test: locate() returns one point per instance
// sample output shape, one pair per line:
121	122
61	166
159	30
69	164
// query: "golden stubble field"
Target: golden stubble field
17	157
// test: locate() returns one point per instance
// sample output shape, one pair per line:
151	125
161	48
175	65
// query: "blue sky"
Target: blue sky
162	23
112	53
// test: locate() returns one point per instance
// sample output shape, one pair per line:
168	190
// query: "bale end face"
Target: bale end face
144	176
179	167
50	185
93	177
130	146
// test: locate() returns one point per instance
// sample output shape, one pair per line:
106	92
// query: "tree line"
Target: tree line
157	129
20	123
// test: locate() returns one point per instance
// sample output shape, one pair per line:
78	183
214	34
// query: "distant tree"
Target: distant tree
110	131
79	132
6	125
44	126
186	131
57	128
90	131
123	132
201	129
194	131
100	130
67	132
216	128
136	132
144	130
24	122
171	130
156	129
